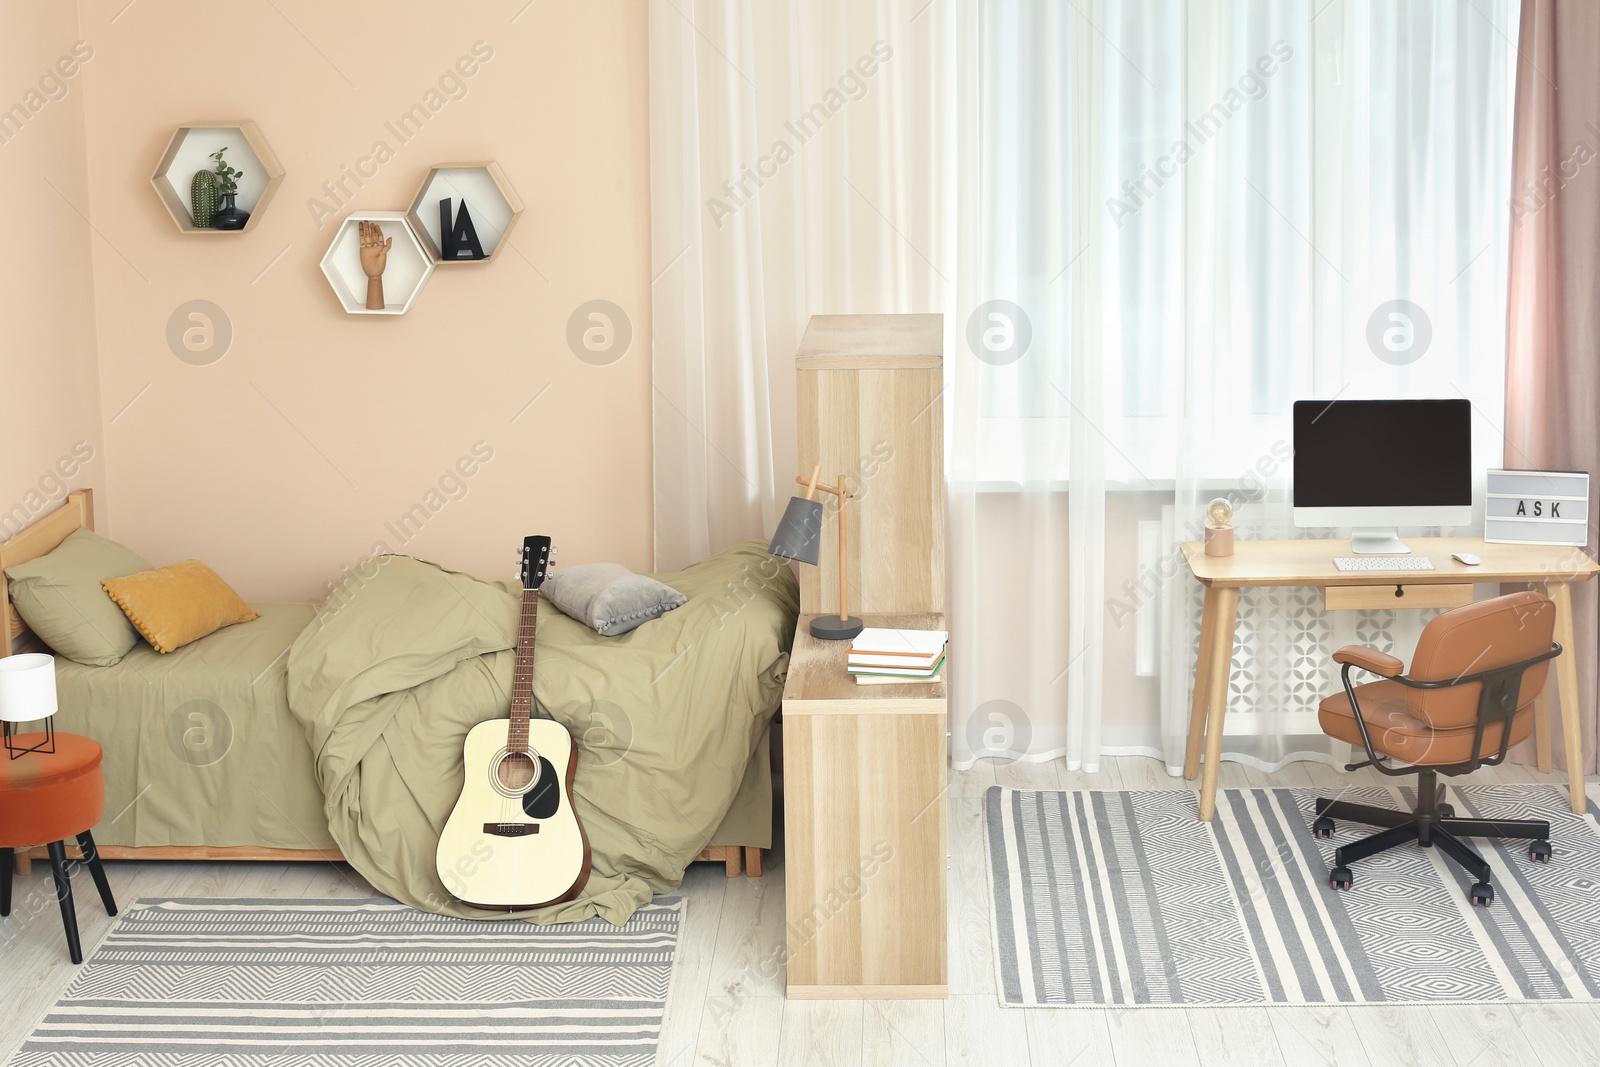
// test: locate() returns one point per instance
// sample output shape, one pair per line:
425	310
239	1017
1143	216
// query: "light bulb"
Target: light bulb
1219	513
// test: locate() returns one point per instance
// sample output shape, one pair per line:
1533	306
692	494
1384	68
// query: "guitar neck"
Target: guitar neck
522	678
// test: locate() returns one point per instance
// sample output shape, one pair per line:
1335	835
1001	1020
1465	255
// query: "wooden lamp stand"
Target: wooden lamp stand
846	626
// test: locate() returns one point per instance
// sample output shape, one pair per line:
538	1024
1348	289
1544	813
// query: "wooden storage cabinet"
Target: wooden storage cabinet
865	776
864	811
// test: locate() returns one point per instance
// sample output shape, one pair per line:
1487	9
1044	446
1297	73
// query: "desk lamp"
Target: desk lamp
1219	527
28	694
799	537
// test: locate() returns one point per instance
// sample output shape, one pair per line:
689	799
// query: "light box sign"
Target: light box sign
1537	508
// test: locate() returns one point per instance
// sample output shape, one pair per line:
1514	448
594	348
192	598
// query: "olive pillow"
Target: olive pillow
60	598
609	598
178	604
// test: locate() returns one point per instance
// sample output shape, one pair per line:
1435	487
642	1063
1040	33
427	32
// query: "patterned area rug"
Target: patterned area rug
353	983
1126	898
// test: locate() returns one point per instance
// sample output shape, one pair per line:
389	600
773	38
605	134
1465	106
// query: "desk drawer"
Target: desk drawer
1394	595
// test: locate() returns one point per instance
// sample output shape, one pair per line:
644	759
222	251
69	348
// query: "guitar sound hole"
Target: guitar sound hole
517	771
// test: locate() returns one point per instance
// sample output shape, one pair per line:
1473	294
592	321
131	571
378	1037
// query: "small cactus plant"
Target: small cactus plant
203	194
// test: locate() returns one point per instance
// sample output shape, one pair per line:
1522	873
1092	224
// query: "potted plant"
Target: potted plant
228	216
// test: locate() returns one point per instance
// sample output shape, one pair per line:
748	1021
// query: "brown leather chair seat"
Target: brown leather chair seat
1398	733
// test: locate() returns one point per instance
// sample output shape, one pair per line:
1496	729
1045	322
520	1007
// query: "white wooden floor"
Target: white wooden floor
727	1006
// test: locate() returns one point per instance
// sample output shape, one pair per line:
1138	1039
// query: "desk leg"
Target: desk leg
1202	679
1566	666
1219	671
1541	710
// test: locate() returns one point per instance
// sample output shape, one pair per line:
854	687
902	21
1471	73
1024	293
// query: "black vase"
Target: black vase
229	216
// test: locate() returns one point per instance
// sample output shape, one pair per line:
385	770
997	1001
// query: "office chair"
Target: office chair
1473	679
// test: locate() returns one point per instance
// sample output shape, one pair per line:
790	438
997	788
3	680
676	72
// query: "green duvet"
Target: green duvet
394	671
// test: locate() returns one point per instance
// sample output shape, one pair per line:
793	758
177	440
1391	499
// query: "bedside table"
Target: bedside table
864	810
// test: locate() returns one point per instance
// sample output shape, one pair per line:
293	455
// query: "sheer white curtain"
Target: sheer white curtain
794	147
1025	566
1151	226
1378	270
1227	206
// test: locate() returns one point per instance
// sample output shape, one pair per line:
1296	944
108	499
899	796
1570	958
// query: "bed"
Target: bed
174	727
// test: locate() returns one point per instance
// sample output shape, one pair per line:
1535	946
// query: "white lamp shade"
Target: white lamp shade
27	687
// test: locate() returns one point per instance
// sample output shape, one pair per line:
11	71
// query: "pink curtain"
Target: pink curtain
1553	317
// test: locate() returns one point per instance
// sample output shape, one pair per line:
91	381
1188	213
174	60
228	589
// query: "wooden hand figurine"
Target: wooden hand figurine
374	258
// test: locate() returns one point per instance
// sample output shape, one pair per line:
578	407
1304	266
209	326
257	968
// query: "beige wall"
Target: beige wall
49	391
298	452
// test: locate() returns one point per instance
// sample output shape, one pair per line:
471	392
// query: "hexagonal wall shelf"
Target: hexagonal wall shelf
190	150
491	202
404	274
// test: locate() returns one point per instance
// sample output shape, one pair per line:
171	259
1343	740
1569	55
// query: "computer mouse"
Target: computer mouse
1466	557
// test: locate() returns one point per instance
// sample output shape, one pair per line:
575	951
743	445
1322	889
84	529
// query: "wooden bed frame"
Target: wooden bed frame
76	513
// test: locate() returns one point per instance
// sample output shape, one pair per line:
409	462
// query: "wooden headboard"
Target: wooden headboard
75	513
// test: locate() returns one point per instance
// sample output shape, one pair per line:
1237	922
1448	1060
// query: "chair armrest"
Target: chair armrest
1369	659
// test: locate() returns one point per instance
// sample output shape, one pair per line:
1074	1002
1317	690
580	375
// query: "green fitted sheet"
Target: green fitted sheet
200	748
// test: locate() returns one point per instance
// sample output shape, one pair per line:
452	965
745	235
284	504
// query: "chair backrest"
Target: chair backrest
1473	639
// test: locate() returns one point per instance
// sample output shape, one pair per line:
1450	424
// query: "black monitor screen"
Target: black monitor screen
1382	453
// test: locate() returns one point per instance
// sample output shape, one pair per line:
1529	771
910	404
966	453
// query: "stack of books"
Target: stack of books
880	656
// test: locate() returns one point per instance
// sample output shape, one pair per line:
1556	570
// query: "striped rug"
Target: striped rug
360	983
1126	898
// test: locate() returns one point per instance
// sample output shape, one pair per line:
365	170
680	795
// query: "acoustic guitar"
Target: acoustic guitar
514	840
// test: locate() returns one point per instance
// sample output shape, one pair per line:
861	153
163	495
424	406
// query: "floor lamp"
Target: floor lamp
799	537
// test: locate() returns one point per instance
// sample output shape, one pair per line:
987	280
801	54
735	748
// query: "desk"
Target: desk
1550	569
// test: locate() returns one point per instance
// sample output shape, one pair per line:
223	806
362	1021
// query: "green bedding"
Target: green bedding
199	746
393	673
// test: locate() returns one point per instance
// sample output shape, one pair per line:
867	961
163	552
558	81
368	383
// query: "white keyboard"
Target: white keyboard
1383	563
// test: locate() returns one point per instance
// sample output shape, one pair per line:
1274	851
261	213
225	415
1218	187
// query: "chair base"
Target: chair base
1431	824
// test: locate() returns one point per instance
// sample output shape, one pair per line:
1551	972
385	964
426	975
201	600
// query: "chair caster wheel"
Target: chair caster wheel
1481	893
1540	851
1340	878
1322	828
1447	811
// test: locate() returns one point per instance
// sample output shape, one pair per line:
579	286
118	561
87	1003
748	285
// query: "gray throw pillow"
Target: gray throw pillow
59	596
609	598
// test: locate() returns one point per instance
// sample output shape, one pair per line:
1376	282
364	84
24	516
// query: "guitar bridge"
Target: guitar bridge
510	829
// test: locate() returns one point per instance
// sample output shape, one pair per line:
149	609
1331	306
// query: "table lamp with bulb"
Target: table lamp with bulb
1219	527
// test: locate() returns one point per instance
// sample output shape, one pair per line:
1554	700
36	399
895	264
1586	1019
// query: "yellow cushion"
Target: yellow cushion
178	604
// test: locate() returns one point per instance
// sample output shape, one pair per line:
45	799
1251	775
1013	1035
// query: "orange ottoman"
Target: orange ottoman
45	798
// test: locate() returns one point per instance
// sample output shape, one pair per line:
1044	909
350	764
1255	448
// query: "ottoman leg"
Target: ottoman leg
69	916
5	881
92	857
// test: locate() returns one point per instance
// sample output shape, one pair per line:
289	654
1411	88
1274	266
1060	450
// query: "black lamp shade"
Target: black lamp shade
799	534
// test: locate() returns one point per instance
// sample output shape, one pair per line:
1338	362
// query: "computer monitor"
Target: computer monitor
1374	465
